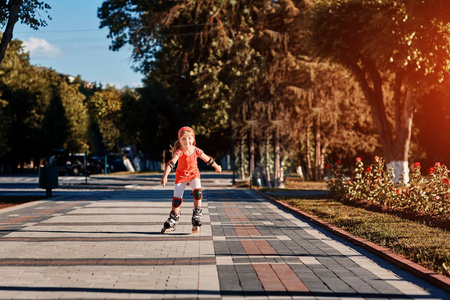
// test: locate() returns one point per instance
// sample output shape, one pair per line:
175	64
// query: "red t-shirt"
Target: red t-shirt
187	168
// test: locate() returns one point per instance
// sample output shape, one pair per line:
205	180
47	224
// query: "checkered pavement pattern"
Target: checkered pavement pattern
108	245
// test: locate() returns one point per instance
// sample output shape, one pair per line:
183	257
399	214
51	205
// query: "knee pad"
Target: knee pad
198	194
176	202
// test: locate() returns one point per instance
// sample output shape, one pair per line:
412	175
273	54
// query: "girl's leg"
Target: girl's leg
178	194
197	212
196	184
174	215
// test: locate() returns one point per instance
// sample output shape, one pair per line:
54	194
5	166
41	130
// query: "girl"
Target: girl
185	153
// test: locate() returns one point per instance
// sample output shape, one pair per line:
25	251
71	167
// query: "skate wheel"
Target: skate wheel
167	230
195	229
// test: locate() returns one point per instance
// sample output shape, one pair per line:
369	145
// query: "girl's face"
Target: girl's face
187	140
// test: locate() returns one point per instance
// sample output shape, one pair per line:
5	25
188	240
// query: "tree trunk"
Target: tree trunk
267	162
308	174
14	10
322	161
276	168
282	166
241	157
251	164
317	153
395	146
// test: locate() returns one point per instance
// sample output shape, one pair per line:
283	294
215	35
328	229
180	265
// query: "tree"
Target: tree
105	110
24	91
23	10
432	119
395	50
328	119
188	46
76	114
217	59
5	120
156	112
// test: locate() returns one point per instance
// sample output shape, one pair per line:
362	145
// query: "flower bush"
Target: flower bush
430	193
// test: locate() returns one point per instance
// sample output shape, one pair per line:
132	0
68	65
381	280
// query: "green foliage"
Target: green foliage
395	52
40	110
199	51
431	118
105	109
76	113
23	10
334	101
133	117
211	64
430	194
242	60
158	118
55	124
395	35
29	13
5	121
25	100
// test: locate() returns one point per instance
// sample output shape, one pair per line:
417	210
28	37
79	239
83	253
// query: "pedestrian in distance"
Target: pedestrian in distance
52	161
185	153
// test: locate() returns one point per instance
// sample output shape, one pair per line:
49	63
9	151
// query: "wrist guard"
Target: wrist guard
210	161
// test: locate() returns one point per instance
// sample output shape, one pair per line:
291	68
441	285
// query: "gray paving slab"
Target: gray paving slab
106	244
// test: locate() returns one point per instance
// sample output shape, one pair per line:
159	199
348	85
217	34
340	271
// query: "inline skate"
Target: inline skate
196	220
170	224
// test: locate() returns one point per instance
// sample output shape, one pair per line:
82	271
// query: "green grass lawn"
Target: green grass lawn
426	245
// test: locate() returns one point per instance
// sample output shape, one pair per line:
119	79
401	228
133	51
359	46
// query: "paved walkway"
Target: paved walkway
107	244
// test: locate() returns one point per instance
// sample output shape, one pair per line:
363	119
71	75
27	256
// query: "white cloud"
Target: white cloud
39	48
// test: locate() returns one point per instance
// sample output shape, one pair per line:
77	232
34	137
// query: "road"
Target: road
101	239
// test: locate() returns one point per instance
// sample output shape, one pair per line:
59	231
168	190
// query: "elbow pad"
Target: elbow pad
210	161
171	165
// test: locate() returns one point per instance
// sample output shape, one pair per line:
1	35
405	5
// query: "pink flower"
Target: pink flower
376	158
417	165
358	159
431	170
437	164
368	169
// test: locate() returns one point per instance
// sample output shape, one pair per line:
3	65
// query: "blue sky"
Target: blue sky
73	44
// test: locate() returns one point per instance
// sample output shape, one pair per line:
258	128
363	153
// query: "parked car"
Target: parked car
73	164
100	161
115	162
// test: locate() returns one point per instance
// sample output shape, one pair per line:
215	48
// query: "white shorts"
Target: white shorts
180	187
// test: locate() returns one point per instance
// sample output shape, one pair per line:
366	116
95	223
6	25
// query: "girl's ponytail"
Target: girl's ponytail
175	147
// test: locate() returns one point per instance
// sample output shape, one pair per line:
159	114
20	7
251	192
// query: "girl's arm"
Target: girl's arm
169	167
208	159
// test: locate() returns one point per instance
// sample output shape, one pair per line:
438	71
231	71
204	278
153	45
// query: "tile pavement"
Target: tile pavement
107	245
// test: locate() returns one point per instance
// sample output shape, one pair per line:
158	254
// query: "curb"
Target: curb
418	270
